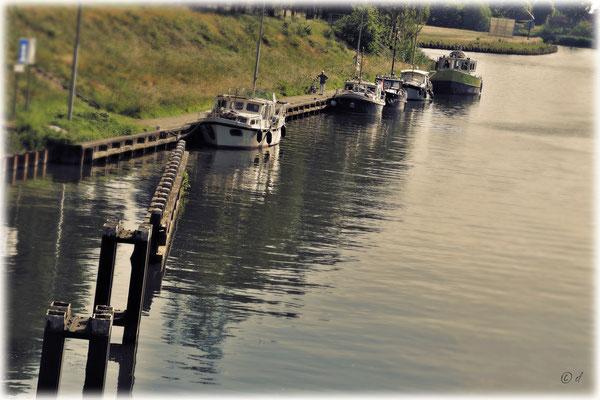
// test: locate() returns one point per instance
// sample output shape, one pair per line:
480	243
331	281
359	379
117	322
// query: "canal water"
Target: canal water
443	248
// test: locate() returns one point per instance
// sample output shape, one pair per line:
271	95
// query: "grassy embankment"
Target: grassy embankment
447	38
140	63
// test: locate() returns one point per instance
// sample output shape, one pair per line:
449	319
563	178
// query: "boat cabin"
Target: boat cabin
415	76
368	88
457	60
389	82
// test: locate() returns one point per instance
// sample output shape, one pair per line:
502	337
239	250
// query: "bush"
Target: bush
328	33
574	41
303	30
583	29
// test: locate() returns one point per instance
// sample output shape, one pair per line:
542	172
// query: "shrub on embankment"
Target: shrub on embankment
148	62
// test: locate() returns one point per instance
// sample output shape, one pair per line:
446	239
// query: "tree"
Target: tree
575	11
518	10
447	15
477	17
542	10
347	28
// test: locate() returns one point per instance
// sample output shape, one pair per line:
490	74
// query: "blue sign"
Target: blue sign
23	51
26	51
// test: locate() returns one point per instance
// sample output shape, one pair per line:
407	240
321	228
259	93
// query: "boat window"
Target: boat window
252	107
348	87
252	122
396	85
447	64
221	103
235	132
455	64
472	66
239	105
464	65
243	120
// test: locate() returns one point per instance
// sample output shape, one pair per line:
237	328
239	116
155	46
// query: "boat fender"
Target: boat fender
333	103
259	137
283	129
269	137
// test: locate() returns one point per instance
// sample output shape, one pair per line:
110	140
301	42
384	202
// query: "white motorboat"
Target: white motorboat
245	120
417	84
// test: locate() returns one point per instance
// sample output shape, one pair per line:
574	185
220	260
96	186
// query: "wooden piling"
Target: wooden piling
99	347
106	268
147	241
139	267
53	347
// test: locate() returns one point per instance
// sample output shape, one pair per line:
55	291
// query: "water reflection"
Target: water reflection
455	105
258	222
54	224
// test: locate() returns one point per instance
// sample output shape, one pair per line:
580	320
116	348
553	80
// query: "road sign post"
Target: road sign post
25	58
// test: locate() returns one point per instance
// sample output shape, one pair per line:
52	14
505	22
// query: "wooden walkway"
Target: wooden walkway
165	133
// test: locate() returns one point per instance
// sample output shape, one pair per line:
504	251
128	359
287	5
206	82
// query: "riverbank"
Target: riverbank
160	62
434	37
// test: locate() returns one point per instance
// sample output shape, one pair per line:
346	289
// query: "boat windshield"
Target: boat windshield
412	76
391	84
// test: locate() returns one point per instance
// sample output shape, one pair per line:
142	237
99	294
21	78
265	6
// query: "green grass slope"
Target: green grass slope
149	62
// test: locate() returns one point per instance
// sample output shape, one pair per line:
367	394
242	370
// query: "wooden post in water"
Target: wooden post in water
53	348
106	268
139	267
99	348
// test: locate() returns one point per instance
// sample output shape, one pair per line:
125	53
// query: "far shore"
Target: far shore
434	37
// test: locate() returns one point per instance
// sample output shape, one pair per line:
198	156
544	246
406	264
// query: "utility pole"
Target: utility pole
74	67
258	49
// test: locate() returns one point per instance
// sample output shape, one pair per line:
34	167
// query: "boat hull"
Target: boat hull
395	100
416	94
456	82
219	132
356	104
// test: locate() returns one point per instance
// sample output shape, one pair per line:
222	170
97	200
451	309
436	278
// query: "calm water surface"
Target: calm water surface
443	248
